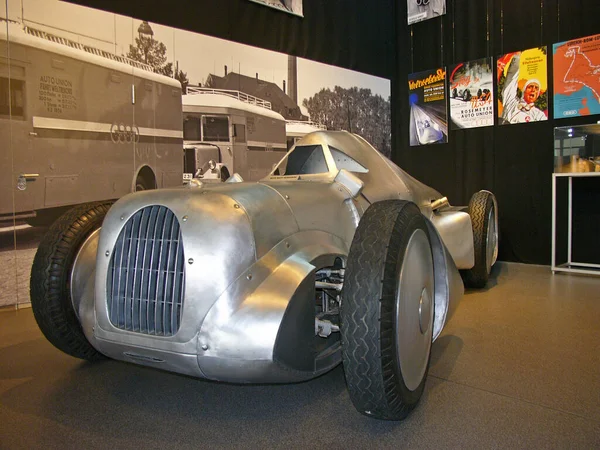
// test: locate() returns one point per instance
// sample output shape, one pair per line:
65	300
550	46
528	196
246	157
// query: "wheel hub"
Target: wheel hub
424	311
414	309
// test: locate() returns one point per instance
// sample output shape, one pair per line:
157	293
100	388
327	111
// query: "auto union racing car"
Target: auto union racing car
337	256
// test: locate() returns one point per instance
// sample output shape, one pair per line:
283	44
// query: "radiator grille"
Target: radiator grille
146	274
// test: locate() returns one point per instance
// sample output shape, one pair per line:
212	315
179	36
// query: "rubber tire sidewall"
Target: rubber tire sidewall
368	312
50	279
480	205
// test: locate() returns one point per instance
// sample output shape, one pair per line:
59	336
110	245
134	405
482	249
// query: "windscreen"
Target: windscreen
303	160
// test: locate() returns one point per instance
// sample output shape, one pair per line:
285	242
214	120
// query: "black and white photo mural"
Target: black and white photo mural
95	105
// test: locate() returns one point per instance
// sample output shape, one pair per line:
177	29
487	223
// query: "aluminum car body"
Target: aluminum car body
250	255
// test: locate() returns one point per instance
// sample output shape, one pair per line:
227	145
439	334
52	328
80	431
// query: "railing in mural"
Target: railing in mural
86	48
320	126
246	98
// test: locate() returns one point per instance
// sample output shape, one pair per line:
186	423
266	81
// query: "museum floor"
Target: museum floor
517	367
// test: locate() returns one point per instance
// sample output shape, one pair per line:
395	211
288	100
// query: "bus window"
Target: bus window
215	129
191	128
239	131
11	97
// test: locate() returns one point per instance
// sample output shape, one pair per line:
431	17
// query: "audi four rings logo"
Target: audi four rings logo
121	133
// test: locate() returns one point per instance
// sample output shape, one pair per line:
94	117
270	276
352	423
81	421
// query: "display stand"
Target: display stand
570	265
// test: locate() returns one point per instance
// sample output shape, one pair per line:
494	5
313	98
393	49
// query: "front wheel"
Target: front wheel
51	279
387	310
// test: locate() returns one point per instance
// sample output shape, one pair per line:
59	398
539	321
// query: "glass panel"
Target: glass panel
192	130
215	129
343	161
303	160
577	148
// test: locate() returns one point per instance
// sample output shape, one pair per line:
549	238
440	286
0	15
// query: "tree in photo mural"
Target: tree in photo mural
154	53
355	110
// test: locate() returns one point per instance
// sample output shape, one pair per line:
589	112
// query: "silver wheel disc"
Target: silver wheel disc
491	244
414	309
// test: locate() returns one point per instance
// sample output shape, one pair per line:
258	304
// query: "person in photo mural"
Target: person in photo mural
523	109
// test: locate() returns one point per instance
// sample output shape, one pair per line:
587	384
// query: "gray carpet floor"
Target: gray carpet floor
517	367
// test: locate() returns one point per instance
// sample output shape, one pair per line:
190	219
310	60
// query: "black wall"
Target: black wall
514	161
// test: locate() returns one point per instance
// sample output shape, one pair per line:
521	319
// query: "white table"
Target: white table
570	265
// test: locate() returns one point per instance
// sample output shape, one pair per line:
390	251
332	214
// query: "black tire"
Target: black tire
145	182
485	239
50	279
372	326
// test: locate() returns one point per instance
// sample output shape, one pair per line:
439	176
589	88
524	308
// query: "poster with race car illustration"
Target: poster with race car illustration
470	87
419	10
577	77
523	86
428	113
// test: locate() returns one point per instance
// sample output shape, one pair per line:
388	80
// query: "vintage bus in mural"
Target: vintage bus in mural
295	129
79	124
228	132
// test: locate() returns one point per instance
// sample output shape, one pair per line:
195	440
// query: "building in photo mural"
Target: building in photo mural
419	10
427	99
470	88
523	86
577	77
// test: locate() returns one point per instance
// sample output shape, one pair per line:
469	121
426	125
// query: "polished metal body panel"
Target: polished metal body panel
251	251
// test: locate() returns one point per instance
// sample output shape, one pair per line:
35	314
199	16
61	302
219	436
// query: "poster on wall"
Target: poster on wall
419	10
523	86
289	6
577	77
427	99
470	88
192	117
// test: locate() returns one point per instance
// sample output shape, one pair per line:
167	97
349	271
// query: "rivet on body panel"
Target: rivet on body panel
287	197
184	218
204	347
191	261
236	206
249	276
122	217
107	253
287	245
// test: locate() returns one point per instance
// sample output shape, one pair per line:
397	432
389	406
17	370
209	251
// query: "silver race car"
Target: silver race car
337	256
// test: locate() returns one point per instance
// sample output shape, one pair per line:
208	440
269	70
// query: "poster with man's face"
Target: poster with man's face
522	86
419	10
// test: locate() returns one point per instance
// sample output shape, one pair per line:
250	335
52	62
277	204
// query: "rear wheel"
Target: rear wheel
145	180
482	210
51	278
387	310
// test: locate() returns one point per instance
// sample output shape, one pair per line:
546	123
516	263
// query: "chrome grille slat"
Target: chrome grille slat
158	278
168	279
148	261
